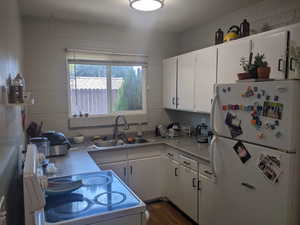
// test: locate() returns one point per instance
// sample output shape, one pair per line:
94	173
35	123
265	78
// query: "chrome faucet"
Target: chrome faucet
116	126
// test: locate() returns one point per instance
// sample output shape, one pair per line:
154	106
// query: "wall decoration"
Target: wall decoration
242	152
234	125
270	167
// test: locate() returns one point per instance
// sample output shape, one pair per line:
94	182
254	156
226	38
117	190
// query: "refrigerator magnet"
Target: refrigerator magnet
234	125
242	152
270	167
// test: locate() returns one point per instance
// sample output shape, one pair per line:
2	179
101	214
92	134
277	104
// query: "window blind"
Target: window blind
77	55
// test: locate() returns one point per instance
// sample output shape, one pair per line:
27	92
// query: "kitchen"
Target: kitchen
172	51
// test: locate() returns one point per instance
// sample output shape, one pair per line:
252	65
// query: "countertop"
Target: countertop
79	161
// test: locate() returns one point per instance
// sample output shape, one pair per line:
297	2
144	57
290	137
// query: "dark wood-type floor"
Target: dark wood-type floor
163	213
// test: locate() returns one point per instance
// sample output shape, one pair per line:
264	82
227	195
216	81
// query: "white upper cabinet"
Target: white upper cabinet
229	56
205	78
169	82
274	47
186	74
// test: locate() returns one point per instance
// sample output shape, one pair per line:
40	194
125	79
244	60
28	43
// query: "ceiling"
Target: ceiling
176	15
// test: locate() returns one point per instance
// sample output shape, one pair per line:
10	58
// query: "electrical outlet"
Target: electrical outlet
2	211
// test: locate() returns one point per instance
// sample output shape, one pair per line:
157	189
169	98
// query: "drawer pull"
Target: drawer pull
176	174
208	172
248	186
170	154
193	181
186	163
124	171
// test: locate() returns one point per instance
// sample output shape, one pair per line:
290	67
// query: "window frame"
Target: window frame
110	64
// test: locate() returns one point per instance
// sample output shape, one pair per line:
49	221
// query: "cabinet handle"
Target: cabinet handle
176	174
124	171
170	154
173	101
186	163
198	185
131	169
291	64
193	182
248	186
208	172
279	64
177	101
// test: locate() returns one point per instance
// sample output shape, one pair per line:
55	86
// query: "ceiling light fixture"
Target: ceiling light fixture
146	5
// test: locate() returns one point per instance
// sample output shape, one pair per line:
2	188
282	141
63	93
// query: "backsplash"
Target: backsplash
188	118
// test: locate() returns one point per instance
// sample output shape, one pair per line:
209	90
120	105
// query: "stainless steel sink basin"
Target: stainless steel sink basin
108	143
111	143
140	141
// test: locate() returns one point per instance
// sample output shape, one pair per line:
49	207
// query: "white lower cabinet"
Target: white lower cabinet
174	176
189	186
173	192
206	202
145	177
182	188
120	168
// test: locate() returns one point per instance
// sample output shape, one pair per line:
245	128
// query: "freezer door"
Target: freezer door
244	194
264	113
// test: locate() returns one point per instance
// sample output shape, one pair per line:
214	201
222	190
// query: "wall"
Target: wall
45	65
11	134
274	13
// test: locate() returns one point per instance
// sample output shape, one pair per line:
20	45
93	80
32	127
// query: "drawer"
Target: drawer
188	162
109	156
145	152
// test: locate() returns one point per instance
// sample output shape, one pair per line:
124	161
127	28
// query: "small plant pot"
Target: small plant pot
244	76
263	72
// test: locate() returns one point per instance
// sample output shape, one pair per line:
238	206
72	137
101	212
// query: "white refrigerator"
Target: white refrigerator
255	153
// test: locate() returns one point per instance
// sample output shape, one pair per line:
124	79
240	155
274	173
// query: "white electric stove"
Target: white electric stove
103	199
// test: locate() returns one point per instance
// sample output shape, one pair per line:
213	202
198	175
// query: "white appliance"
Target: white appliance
103	199
255	153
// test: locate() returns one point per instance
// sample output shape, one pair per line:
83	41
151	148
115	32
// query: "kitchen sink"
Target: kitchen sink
108	143
111	143
139	141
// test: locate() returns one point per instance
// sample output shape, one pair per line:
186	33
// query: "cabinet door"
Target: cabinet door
207	200
169	82
188	185
173	191
229	56
186	74
205	78
146	177
274	47
120	168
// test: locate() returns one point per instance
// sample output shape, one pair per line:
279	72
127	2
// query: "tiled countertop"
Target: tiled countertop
79	161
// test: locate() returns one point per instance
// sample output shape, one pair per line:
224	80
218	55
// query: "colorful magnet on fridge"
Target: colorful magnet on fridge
263	92
258	95
229	89
241	107
276	98
253	122
224	90
267	97
224	107
278	134
260	135
255	89
276	122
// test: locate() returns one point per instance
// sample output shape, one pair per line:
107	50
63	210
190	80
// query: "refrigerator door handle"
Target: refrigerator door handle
212	155
248	186
212	112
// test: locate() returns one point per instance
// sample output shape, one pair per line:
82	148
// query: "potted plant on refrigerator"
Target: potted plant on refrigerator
248	67
263	70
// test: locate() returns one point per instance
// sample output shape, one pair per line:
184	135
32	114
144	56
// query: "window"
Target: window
100	87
